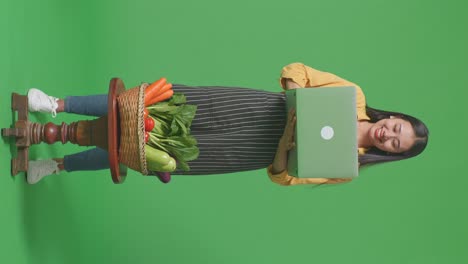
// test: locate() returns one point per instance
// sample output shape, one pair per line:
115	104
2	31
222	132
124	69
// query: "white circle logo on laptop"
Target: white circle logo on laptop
327	132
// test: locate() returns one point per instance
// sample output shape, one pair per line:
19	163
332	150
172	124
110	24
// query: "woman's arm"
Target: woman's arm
305	76
281	159
298	75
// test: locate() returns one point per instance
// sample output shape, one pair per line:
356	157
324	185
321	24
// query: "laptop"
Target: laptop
326	133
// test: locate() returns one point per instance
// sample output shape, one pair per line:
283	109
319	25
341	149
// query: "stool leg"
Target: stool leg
19	103
20	163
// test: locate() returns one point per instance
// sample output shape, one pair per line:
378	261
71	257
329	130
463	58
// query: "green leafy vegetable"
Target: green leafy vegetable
171	132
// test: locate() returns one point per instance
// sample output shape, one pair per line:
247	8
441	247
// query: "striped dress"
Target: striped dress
237	129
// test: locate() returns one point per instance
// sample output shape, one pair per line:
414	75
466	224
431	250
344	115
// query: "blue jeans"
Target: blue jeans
96	158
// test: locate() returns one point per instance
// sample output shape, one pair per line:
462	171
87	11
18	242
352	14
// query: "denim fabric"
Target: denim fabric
92	105
92	159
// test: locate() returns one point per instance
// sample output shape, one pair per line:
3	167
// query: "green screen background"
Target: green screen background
409	56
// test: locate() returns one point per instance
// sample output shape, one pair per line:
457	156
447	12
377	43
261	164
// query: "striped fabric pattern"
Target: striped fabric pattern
237	129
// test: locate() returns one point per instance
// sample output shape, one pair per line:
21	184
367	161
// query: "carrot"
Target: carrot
162	97
156	83
153	89
164	89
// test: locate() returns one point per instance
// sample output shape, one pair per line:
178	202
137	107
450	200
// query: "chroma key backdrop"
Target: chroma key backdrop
407	56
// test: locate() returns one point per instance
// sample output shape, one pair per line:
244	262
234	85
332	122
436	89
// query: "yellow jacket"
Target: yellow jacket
308	77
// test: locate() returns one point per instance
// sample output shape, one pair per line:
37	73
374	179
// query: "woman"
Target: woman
382	136
241	129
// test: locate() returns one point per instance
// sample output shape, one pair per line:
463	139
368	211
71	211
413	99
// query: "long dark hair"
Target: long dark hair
375	155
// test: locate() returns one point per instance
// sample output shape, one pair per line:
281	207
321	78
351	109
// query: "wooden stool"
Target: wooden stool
103	132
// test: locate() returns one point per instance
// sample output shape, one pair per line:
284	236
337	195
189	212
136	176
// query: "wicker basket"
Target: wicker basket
132	129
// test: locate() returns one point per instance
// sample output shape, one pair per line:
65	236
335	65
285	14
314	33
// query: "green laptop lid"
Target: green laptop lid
326	133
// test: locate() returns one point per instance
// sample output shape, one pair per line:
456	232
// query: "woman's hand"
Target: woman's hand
286	143
287	140
289	84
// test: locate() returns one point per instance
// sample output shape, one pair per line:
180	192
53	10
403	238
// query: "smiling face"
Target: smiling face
393	134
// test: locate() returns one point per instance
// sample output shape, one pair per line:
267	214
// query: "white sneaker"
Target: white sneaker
38	169
38	101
